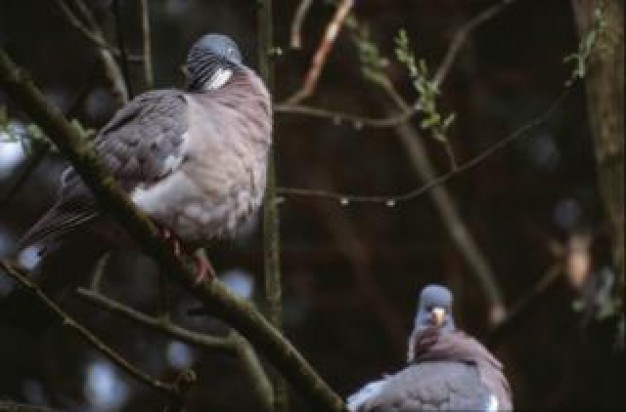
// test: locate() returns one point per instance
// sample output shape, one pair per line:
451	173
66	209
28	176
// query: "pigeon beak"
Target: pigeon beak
437	314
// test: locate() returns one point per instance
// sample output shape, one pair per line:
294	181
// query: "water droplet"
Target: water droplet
390	203
358	125
344	201
336	120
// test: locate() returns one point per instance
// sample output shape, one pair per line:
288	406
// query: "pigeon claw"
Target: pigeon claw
204	269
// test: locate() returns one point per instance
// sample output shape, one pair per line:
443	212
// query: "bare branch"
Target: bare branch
293	106
394	199
23	280
339	117
105	52
324	48
461	36
164	326
147	44
8	406
233	343
39	153
296	24
273	308
121	45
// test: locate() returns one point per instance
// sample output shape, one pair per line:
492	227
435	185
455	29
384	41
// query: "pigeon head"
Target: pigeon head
211	62
434	308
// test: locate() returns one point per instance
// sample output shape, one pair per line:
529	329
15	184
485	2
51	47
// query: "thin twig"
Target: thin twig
339	117
21	278
146	44
233	343
8	406
324	48
525	303
88	33
461	36
121	45
393	200
104	52
291	106
296	24
157	324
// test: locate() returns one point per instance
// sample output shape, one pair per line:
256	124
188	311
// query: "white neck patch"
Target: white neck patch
219	79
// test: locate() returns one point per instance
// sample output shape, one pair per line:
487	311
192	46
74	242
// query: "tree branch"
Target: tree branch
271	221
104	51
67	321
296	24
395	199
324	48
148	73
234	343
293	107
222	304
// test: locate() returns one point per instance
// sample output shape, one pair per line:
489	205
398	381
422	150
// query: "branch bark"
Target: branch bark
271	222
224	305
605	105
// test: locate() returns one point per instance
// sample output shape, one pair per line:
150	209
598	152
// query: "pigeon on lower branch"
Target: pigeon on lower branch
447	369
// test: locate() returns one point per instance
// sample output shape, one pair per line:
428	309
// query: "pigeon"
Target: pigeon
194	160
447	369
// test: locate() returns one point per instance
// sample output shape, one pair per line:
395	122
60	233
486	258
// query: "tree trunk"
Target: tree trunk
605	105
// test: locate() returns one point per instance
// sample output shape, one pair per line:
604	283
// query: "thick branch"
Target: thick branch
224	305
605	105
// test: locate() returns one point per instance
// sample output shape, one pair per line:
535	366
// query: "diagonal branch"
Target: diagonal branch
233	343
324	48
224	305
296	25
105	52
23	280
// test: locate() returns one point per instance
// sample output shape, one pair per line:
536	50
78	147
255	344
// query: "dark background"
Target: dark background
351	273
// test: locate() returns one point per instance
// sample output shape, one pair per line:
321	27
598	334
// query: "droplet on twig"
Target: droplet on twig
344	201
358	125
337	120
390	203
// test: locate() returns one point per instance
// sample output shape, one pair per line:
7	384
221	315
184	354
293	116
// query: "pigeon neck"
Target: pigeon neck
209	74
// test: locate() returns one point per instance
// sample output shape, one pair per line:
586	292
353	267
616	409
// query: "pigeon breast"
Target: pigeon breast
220	181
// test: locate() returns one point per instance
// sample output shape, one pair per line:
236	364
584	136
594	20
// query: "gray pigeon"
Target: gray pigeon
447	369
193	160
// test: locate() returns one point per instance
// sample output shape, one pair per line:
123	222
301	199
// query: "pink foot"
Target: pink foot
204	269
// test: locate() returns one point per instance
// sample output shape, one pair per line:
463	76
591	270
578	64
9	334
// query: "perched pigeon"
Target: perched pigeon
447	371
193	160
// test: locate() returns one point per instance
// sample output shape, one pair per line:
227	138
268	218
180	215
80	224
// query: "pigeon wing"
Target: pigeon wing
141	144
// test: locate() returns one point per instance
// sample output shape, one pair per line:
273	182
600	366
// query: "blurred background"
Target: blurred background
530	217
